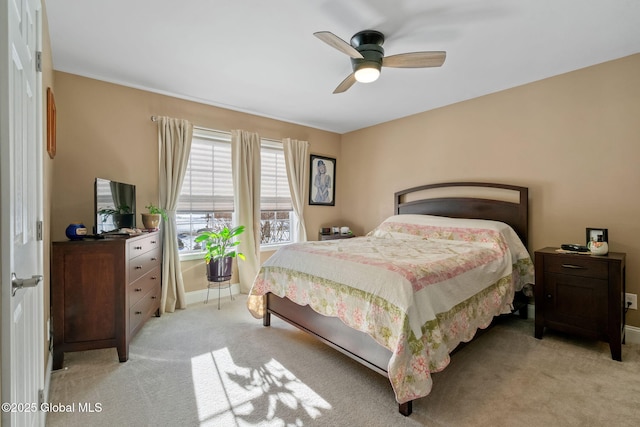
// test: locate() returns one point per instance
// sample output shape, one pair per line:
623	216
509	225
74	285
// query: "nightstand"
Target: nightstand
581	294
334	236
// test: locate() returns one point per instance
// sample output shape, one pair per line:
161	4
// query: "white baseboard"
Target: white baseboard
632	333
200	296
531	311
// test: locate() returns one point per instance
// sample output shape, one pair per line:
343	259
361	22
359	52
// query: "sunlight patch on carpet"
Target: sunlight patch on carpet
227	393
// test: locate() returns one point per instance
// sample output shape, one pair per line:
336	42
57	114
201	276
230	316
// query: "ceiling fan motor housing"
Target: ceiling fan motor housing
369	44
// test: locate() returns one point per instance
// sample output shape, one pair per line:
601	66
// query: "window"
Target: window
276	211
206	196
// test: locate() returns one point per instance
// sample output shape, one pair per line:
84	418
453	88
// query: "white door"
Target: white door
21	259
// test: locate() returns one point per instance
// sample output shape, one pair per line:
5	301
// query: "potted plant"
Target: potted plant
151	220
122	216
220	250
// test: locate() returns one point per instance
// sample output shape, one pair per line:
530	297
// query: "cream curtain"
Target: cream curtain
297	164
245	161
174	139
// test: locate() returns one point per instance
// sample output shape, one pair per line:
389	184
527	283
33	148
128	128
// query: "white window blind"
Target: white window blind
208	183
274	187
206	196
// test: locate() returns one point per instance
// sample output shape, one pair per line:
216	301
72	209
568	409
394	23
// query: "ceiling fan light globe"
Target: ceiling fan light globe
367	74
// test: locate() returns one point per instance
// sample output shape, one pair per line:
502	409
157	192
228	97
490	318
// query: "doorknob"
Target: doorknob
24	283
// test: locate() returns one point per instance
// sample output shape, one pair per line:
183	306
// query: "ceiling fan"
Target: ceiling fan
367	56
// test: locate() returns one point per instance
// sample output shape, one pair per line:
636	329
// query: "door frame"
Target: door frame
35	159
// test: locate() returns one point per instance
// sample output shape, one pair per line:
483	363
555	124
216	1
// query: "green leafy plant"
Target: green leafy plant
221	244
153	209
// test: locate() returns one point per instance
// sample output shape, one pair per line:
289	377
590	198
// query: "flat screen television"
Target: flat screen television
115	205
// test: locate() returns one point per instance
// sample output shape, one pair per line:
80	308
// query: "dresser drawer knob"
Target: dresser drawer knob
153	242
573	266
138	289
154	277
549	296
138	267
138	248
154	259
154	297
138	312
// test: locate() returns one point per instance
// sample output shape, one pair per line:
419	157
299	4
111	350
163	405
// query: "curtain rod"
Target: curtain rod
155	119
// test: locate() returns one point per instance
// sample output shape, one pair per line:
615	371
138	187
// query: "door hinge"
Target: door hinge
39	230
38	61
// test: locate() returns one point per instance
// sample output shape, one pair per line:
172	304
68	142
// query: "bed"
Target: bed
402	298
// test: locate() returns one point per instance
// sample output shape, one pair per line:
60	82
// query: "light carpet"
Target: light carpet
208	367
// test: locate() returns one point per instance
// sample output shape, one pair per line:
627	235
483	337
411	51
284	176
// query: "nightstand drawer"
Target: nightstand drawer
577	265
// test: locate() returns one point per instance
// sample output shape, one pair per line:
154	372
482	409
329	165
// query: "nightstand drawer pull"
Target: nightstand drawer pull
573	266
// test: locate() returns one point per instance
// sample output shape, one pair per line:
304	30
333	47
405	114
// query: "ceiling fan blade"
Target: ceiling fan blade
337	43
346	83
415	60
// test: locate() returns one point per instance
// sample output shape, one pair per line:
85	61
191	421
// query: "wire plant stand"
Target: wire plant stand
220	285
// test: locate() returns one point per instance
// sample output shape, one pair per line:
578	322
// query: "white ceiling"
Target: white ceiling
261	57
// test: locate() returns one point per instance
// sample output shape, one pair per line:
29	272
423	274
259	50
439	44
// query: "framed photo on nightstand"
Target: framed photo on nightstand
597	235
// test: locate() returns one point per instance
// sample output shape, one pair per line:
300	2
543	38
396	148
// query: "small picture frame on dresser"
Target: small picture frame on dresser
597	235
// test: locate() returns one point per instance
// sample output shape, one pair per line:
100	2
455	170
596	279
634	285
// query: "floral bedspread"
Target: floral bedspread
418	285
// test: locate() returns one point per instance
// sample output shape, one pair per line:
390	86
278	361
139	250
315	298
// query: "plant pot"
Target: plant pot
124	220
151	221
219	270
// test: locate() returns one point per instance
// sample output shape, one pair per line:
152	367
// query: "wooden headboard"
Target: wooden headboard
515	213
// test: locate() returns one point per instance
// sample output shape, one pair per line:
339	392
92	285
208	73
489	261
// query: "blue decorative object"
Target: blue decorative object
76	231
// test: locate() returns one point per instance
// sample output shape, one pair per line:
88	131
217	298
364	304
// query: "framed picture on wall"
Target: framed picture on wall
597	235
322	181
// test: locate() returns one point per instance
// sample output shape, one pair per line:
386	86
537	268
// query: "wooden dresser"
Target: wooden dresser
103	291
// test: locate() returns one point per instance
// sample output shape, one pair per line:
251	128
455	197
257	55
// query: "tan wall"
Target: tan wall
572	139
194	273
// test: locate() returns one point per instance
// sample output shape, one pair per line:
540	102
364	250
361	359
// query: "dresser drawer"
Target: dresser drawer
143	309
143	245
143	285
141	265
577	265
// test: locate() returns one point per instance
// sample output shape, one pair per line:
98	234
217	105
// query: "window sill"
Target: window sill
273	247
191	256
